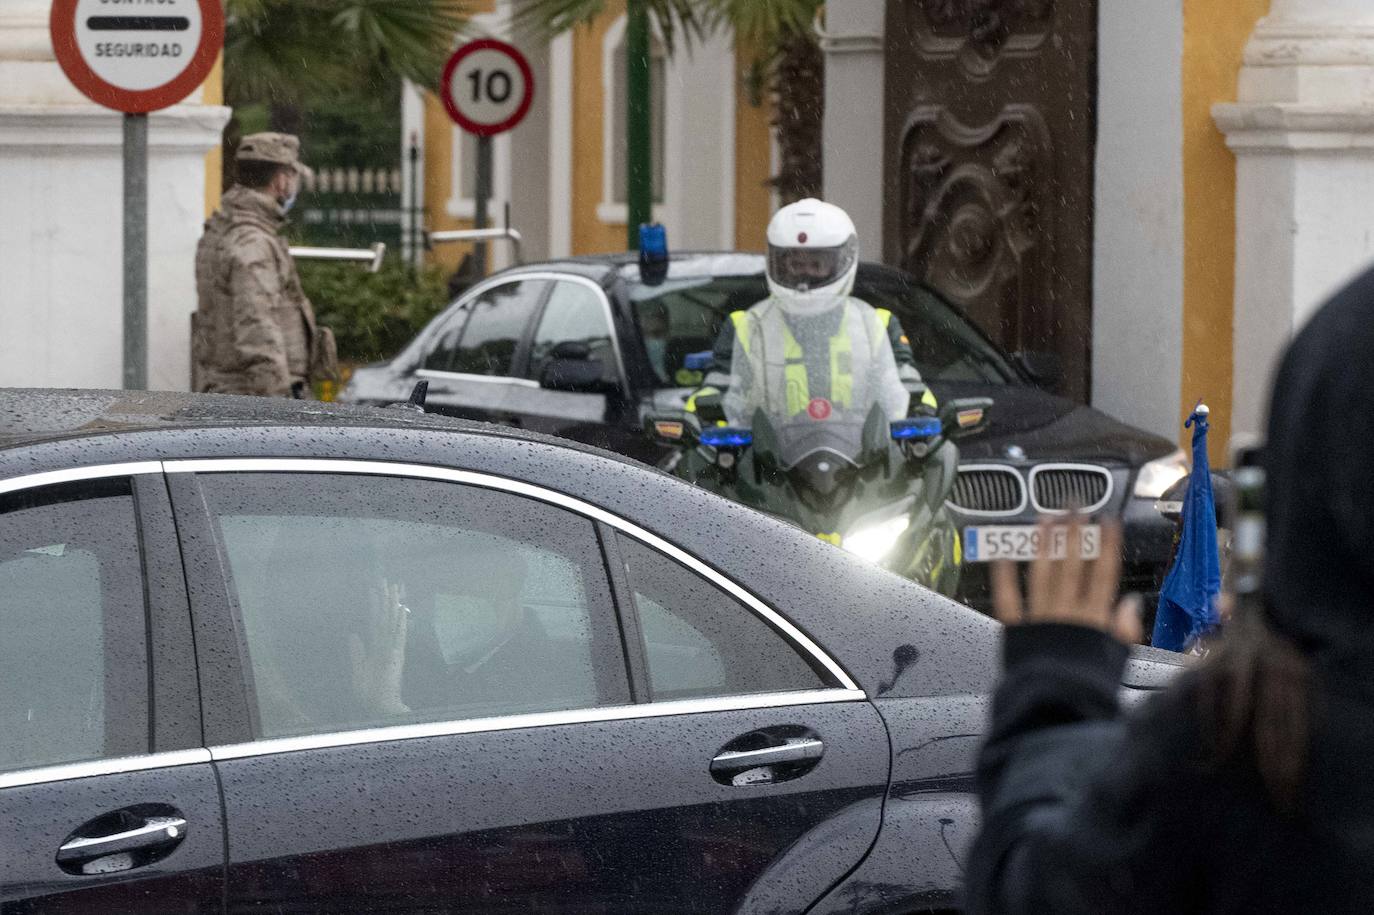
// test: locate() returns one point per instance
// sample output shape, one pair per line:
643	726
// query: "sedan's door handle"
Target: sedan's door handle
155	832
792	752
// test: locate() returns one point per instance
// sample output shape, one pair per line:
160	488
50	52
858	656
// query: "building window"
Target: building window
615	161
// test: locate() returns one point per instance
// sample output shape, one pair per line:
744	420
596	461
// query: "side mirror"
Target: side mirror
1045	369
966	416
572	350
585	375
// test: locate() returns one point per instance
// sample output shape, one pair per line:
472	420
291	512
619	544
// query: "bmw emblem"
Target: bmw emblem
1016	453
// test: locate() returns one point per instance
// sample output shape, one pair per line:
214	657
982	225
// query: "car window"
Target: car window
683	316
946	346
575	313
73	665
370	601
445	346
499	317
700	641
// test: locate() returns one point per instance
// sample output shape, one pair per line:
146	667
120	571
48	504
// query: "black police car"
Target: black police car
586	349
297	657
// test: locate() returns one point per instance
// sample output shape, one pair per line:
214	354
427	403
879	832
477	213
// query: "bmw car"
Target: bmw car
589	348
272	656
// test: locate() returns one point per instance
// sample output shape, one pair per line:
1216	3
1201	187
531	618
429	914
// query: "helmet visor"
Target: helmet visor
804	269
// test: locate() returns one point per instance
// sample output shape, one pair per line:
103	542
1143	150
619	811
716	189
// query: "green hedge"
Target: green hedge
373	314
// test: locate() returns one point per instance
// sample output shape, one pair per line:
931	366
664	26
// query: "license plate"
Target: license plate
1021	543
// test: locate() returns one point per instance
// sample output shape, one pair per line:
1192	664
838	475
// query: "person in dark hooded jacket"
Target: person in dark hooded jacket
1248	785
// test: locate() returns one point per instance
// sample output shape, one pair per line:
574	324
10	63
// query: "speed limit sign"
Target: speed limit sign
487	87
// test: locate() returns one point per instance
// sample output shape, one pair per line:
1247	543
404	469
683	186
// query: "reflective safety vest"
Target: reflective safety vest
791	375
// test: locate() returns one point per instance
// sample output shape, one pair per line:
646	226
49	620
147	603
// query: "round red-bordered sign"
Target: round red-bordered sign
97	51
499	87
819	408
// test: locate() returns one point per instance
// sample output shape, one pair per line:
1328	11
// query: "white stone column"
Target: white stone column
1303	134
61	314
852	140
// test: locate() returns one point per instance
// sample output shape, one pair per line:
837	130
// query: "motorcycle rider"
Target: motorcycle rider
803	335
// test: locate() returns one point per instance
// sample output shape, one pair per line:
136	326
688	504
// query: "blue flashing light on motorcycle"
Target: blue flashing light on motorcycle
726	437
697	362
917	427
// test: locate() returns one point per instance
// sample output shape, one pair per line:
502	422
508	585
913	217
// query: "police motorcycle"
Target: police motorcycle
858	472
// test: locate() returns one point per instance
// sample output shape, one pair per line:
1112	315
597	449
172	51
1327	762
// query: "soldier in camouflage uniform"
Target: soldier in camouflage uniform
255	332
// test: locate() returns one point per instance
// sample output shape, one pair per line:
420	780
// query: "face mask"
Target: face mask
288	203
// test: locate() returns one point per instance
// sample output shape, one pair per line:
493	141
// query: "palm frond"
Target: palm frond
673	19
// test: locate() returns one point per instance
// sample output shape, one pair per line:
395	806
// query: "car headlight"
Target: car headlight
873	542
1157	476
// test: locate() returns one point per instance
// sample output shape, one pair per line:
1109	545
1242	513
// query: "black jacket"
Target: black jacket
1087	810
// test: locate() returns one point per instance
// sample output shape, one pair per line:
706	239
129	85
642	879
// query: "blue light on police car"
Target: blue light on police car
917	427
726	437
653	243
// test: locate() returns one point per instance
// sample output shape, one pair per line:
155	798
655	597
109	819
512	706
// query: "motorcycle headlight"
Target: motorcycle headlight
1157	476
874	541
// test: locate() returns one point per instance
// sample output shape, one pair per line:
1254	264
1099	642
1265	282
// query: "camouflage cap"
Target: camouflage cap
281	148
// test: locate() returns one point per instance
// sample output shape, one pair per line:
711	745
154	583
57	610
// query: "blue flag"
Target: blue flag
1188	600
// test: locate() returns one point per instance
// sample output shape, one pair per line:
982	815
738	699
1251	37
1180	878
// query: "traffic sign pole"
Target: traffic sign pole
479	221
487	88
135	252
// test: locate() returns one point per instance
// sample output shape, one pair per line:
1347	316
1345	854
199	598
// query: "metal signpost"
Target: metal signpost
487	88
136	56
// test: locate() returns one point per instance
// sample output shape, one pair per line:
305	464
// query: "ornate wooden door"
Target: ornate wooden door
990	129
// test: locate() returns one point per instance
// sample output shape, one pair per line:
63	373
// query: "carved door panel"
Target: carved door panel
990	129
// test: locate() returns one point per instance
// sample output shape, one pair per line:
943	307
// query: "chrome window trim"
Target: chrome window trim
518	487
93	768
552	276
1088	468
274	745
437	375
1021	484
77	474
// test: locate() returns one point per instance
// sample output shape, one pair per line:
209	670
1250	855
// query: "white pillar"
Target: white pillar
853	134
1303	133
1138	215
61	314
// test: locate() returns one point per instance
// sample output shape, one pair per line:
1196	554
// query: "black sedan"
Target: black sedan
272	656
588	348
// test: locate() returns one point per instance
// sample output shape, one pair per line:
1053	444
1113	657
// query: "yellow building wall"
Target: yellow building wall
1214	37
589	234
212	93
753	164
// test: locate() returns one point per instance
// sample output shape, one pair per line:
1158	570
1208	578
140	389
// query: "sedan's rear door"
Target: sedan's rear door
108	802
439	714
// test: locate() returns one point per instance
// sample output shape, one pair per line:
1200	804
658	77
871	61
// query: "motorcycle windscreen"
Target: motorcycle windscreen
816	379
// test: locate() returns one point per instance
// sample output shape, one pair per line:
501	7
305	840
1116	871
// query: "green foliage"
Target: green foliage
293	51
373	315
673	17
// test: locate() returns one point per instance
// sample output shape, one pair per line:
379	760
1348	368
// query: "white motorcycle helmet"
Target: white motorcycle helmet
813	255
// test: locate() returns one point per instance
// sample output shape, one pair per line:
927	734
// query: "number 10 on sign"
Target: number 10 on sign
487	87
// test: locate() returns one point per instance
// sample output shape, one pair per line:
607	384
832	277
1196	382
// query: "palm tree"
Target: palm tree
785	62
788	65
287	53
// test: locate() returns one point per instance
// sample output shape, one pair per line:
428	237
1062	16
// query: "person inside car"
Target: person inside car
1245	786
